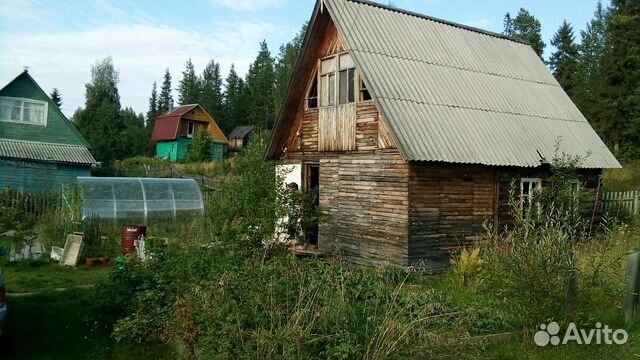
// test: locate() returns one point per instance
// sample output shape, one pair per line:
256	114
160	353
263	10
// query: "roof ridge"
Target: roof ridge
454	67
442	21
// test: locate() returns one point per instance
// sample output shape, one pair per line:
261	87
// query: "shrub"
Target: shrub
467	264
200	149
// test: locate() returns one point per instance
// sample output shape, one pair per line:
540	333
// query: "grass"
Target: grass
60	325
624	179
42	276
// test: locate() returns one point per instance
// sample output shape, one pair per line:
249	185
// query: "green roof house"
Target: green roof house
39	147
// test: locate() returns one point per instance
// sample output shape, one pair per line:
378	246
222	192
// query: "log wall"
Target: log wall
365	199
448	205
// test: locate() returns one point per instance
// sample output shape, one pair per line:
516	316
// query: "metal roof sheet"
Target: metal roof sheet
165	128
457	94
27	150
240	132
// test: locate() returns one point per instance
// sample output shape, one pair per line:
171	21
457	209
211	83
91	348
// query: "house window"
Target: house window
312	96
23	111
337	80
190	129
528	188
575	185
364	92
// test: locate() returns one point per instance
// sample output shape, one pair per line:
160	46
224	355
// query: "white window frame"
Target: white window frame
191	128
575	184
527	201
22	101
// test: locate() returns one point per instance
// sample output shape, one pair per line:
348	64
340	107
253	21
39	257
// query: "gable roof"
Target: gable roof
452	93
167	125
240	132
59	129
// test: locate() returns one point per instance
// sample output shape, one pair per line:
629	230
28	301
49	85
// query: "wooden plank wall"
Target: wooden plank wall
448	205
365	198
367	126
337	128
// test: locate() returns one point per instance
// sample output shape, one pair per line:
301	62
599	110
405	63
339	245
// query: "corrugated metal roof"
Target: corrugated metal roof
240	132
455	94
27	150
165	128
179	111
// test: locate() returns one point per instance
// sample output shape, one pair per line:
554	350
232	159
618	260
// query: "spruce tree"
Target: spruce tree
235	101
564	61
189	88
56	97
260	85
617	115
211	97
592	45
525	27
153	112
165	98
284	66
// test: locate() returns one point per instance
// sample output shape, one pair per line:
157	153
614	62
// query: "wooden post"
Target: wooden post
632	279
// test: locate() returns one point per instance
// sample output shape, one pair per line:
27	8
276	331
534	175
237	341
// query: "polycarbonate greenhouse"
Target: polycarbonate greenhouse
139	198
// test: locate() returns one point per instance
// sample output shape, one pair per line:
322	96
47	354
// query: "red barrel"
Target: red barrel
128	235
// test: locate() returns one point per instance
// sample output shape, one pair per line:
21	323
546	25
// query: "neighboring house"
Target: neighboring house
174	130
413	128
39	147
239	138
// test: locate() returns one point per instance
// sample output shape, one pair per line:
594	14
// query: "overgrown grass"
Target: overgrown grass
625	179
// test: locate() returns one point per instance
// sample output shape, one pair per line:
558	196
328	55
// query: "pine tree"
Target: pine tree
564	61
617	114
211	97
56	97
165	99
235	101
592	45
525	27
260	90
284	66
189	88
153	112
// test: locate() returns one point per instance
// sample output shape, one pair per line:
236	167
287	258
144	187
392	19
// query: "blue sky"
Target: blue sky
60	40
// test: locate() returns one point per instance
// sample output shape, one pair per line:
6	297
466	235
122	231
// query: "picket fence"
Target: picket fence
621	202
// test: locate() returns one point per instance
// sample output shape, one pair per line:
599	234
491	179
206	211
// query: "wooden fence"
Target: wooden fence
621	202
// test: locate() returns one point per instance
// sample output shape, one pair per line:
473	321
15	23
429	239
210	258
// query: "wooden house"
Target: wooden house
239	138
174	130
39	147
413	128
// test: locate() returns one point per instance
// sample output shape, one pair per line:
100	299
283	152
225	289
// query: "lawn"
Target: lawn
42	277
46	322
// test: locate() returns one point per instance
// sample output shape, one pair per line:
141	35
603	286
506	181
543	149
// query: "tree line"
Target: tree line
600	71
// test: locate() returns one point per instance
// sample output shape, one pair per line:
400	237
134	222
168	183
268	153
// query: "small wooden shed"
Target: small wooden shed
239	138
413	128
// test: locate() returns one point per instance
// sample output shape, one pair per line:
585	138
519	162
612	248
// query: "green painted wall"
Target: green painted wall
177	150
36	176
58	130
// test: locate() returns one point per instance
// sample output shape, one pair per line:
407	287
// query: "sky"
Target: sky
60	40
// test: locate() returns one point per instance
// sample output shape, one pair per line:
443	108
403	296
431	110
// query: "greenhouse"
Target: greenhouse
139	198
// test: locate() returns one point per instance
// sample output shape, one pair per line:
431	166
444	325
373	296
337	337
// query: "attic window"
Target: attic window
24	111
312	96
190	129
337	80
364	92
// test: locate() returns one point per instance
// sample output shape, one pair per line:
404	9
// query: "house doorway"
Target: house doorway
312	186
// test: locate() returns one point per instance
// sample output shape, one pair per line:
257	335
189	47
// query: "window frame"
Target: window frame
315	81
22	102
337	70
191	125
528	196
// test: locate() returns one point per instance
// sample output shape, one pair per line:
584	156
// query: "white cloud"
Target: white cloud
140	52
249	5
